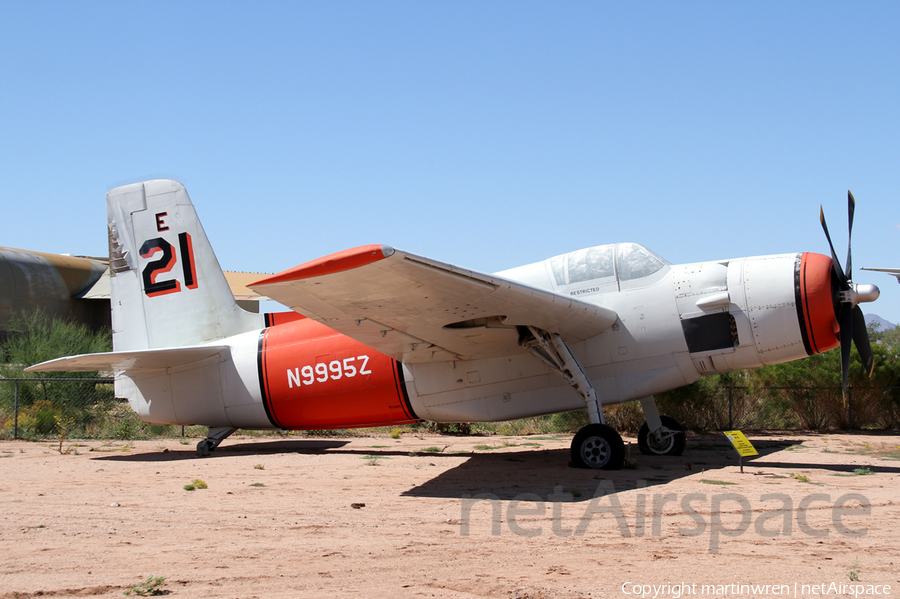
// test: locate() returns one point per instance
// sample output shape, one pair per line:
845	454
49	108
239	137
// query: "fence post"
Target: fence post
730	401
16	413
849	407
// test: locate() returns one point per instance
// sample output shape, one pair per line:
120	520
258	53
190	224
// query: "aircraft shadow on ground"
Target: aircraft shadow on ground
844	468
301	446
544	473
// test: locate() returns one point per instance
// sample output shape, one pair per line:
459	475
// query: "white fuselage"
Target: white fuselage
644	353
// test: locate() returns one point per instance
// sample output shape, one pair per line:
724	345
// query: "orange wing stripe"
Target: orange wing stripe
339	262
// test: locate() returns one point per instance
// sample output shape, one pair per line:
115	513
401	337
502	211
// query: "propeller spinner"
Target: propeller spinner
847	296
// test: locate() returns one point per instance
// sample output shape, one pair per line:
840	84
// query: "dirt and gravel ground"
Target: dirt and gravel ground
437	516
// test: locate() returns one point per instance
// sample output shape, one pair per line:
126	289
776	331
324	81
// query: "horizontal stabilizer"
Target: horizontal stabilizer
147	359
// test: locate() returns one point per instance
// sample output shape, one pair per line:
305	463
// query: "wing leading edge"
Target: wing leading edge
415	309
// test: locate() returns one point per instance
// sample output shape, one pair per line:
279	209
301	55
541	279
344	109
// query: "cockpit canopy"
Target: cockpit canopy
603	265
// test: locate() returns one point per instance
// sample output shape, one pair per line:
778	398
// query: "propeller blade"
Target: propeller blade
837	265
850	317
861	341
851	208
846	322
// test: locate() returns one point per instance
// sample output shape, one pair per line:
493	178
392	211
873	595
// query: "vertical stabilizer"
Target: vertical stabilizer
167	289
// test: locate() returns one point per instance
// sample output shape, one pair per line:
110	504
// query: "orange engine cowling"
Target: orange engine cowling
312	377
814	288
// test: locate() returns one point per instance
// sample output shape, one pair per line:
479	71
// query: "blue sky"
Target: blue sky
485	134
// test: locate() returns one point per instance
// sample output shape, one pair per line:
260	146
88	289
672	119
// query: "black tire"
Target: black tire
205	446
598	446
674	445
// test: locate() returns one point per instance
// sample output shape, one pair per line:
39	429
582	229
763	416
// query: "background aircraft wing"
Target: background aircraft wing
890	271
415	309
146	359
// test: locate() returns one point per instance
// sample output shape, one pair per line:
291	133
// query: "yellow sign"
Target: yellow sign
743	445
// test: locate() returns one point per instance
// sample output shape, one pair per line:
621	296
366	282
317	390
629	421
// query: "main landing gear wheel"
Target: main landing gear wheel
669	443
598	446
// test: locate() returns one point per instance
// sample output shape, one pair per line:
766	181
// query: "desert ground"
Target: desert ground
814	515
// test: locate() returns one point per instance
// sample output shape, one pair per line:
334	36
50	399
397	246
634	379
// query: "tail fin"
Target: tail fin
167	289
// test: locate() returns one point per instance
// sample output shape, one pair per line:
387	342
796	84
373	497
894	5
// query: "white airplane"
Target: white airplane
380	336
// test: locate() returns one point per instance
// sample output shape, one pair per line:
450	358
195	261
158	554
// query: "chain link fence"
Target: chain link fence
39	408
748	408
45	407
744	408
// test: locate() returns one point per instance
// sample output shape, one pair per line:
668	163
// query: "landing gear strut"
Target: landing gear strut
215	436
596	445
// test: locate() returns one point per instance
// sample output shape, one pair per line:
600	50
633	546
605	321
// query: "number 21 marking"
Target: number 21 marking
166	263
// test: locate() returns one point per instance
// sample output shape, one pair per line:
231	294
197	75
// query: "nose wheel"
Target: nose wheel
598	446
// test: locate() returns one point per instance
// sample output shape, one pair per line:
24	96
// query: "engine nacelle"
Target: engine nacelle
756	311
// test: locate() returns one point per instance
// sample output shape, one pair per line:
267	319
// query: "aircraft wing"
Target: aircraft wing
147	359
415	309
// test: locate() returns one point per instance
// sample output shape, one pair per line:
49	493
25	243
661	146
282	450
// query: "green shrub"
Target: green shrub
43	404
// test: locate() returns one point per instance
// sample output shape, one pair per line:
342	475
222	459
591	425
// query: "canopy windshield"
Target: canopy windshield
617	261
